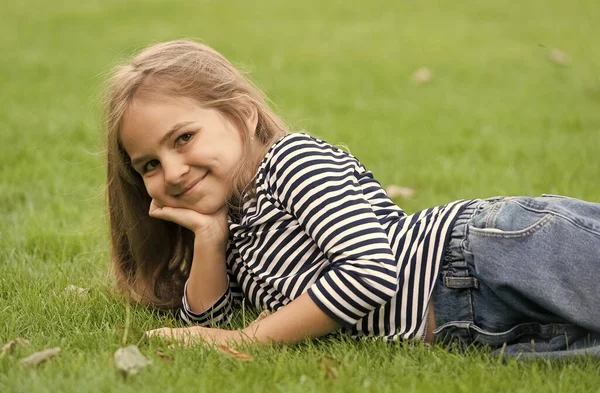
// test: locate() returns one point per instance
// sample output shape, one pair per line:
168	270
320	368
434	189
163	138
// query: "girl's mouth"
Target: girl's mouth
190	189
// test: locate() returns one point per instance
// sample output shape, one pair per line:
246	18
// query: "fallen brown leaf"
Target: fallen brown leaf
10	346
241	356
164	356
394	191
421	76
329	367
38	358
129	360
558	57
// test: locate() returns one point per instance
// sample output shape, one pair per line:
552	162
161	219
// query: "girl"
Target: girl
211	198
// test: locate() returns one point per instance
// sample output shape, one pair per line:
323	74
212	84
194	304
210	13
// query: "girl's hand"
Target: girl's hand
209	228
197	334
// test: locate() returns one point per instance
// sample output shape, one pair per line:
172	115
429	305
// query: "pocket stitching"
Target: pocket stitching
457	324
490	219
559	214
494	232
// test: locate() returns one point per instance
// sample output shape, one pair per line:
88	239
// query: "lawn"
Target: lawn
499	117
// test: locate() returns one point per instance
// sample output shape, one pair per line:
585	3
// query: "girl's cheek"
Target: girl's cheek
152	190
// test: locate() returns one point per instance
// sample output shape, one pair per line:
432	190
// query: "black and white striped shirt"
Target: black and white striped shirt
320	223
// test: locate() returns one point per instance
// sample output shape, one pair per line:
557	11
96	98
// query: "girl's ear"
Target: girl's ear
251	119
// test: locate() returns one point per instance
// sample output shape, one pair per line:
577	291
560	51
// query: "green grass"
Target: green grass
498	118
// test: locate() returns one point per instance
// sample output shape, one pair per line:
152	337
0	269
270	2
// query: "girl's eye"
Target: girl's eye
150	165
184	138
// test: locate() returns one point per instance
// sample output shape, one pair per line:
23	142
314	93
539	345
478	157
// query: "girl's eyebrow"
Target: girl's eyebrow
165	138
173	130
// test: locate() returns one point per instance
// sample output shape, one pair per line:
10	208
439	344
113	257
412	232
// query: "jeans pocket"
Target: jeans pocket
537	336
530	332
512	217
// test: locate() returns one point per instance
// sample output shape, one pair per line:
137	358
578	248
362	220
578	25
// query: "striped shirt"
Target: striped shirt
320	223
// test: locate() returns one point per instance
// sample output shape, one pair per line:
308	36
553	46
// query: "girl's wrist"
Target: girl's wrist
206	243
211	236
248	335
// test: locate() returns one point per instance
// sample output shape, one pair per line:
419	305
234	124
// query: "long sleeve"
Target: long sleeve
321	187
220	312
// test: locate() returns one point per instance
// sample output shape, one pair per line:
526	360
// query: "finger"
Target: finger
169	214
160	333
155	205
153	333
156	211
185	336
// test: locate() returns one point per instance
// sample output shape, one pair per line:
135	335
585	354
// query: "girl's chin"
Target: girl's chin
206	208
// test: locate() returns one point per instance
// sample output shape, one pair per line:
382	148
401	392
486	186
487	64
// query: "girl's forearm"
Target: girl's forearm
208	277
299	320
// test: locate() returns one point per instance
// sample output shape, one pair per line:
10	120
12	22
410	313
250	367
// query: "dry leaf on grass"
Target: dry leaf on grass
241	356
558	57
72	289
422	76
329	367
129	360
38	358
164	356
10	346
394	191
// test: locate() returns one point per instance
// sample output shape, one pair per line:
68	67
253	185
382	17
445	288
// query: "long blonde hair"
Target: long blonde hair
151	258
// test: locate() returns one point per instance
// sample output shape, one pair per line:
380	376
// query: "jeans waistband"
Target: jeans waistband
452	292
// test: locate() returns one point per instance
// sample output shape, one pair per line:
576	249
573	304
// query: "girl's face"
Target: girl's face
183	152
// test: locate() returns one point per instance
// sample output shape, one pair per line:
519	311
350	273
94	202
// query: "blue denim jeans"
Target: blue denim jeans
522	275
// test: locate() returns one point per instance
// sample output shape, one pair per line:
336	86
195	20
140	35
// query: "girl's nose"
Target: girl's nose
174	171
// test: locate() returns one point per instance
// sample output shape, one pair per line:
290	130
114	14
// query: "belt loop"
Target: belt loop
461	282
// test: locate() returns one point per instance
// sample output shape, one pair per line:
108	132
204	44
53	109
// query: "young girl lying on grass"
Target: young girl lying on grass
211	198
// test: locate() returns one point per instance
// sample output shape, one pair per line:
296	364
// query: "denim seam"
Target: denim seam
490	220
556	196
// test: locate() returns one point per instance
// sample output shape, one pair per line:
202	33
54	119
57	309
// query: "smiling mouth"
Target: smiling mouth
191	187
